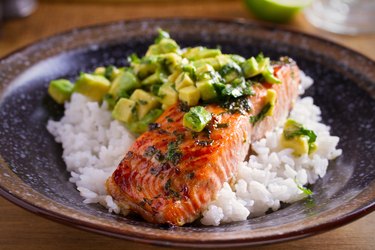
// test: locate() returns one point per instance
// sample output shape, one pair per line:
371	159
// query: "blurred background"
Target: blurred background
25	21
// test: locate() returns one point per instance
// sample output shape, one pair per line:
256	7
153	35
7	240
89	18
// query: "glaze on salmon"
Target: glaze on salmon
171	174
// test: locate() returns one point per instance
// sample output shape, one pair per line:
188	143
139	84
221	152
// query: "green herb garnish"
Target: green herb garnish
256	118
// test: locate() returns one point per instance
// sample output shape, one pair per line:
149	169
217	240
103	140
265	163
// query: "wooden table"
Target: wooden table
20	229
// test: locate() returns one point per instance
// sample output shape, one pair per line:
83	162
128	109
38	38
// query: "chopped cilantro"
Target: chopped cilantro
256	118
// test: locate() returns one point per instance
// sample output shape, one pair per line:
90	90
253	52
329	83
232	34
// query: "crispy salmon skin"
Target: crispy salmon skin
171	174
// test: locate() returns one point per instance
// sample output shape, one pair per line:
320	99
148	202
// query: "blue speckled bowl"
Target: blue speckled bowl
33	175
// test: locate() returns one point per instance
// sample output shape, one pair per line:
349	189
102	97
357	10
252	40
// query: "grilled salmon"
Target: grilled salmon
171	174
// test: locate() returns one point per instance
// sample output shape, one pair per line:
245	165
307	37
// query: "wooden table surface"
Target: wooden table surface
20	229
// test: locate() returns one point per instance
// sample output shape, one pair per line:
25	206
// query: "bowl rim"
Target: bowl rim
361	210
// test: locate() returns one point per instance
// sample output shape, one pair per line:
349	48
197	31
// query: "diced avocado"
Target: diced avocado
204	69
200	52
92	86
124	82
237	58
213	61
297	137
60	90
124	110
158	77
183	80
111	72
271	99
144	69
171	60
190	70
172	77
165	45
168	96
207	90
190	95
197	118
270	77
299	144
99	71
250	67
224	60
263	62
145	102
141	126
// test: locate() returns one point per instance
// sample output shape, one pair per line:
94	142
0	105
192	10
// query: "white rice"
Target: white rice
94	144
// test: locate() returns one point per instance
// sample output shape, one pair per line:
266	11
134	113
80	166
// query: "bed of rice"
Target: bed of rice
93	145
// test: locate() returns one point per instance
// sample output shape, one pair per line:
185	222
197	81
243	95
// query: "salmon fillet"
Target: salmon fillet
171	174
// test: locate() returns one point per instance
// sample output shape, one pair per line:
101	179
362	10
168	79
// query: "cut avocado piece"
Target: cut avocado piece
92	86
168	96
141	126
300	144
183	80
124	110
250	67
165	45
204	69
124	82
213	61
200	52
144	69
197	118
171	60
158	77
271	99
99	71
145	102
297	137
172	77
207	90
60	90
190	95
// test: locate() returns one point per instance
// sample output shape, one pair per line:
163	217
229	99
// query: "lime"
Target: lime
276	10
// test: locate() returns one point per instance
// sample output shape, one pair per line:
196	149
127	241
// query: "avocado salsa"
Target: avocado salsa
139	93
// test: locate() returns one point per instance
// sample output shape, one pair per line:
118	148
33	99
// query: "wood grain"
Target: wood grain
20	229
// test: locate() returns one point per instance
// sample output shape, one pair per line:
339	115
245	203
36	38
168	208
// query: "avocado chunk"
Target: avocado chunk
145	102
158	77
200	52
207	90
299	144
190	95
183	80
145	68
99	71
172	77
92	86
168	96
250	67
141	126
204	69
165	45
270	77
213	61
197	118
124	110
124	83
297	137
60	90
271	99
171	60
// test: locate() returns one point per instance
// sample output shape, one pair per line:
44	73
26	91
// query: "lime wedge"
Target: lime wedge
276	10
